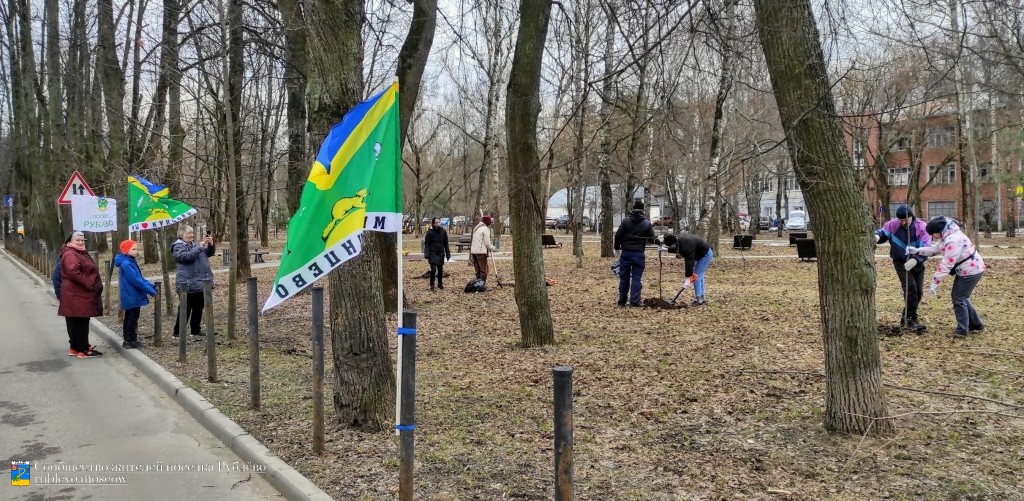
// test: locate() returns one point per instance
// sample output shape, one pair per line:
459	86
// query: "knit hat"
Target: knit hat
486	220
126	246
903	212
936	225
638	205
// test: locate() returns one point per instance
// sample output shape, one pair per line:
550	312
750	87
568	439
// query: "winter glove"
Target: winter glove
693	278
912	250
910	264
877	238
687	284
933	288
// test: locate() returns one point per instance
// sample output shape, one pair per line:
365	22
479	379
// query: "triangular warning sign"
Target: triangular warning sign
76	186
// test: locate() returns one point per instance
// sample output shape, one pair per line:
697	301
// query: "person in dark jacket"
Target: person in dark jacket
632	237
55	276
697	255
193	263
902	232
134	291
435	246
80	295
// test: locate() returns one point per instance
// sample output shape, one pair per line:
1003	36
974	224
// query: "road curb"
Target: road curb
288	481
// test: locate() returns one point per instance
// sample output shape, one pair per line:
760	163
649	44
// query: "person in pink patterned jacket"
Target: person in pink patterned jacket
960	259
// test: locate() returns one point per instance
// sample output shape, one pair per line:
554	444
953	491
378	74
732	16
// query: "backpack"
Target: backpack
55	278
476	285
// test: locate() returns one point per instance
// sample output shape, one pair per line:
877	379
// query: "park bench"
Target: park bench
742	242
255	255
548	241
794	236
806	250
464	241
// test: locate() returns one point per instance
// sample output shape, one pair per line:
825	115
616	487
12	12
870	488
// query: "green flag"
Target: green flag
355	184
149	208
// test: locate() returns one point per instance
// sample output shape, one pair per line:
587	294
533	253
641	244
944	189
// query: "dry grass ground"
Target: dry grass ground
719	402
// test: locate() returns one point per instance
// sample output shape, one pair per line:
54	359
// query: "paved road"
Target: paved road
58	412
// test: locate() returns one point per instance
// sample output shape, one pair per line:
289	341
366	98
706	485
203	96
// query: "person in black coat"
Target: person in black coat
435	249
697	254
632	237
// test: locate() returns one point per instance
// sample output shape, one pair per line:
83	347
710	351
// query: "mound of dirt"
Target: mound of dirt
661	304
886	330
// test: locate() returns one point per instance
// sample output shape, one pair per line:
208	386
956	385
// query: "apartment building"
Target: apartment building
921	155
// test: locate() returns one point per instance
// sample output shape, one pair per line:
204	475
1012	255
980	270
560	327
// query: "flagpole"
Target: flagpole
398	359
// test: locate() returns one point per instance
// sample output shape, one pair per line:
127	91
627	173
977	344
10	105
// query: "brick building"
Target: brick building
911	156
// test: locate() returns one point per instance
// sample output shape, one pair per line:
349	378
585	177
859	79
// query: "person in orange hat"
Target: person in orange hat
134	291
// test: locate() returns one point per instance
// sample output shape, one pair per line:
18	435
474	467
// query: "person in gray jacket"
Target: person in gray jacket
193	263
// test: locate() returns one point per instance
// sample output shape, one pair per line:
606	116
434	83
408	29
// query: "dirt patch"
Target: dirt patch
722	401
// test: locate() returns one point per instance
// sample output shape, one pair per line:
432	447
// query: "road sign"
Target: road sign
8	200
76	186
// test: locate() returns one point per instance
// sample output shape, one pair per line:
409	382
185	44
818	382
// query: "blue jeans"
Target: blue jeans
699	268
631	266
966	317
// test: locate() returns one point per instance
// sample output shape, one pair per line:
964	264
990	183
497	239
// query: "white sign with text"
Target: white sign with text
94	214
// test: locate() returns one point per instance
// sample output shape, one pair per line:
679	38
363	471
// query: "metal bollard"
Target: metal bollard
182	321
318	370
563	433
407	425
158	340
254	345
211	341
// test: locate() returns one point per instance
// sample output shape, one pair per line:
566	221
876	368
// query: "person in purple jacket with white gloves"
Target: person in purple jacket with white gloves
960	259
902	232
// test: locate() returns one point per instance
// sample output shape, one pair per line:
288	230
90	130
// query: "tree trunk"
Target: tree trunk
112	78
524	172
604	166
295	84
855	397
712	205
364	392
412	60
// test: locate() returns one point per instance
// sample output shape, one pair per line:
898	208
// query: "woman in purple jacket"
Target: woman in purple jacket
904	231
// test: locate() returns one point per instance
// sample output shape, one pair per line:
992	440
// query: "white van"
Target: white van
797	221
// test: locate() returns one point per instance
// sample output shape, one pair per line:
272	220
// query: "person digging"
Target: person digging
907	232
698	255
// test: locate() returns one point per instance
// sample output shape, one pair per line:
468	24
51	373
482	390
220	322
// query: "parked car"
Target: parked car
764	222
562	222
662	221
797	221
549	222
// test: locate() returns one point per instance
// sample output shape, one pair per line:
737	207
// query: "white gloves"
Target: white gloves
912	250
663	248
933	288
687	284
911	263
877	238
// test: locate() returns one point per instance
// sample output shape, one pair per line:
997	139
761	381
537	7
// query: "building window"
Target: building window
947	209
942	174
980	129
899	176
791	184
940	136
765	185
858	154
986	173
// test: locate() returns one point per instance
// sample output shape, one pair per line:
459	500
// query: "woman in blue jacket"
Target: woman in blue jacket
134	291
